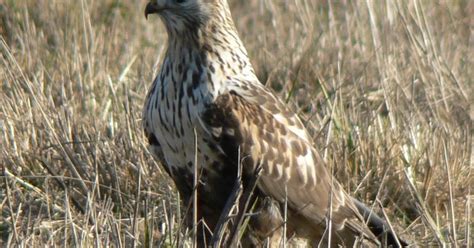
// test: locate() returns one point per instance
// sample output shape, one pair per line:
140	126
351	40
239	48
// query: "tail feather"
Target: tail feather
378	226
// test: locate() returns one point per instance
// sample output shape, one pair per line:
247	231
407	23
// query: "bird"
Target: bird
216	128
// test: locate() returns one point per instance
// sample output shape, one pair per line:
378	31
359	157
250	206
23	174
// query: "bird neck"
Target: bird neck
218	32
216	44
209	57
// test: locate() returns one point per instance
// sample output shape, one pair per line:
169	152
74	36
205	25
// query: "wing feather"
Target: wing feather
267	133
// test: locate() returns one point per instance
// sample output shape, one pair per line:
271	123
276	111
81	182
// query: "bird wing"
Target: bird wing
269	135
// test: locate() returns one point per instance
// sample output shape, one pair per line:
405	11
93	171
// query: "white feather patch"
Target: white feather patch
298	131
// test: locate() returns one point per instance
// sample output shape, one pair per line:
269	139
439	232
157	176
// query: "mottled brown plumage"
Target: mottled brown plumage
207	86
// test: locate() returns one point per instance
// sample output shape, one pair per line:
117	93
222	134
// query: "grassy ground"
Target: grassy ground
386	87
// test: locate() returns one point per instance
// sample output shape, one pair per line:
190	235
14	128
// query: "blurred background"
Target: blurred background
385	88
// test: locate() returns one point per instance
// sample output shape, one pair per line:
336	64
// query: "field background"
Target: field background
385	87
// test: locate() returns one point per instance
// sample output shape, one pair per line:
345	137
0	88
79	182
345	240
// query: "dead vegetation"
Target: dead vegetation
385	87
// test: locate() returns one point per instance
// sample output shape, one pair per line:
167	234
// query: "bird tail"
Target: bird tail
378	226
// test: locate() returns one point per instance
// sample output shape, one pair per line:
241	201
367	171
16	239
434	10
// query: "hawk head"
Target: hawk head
181	16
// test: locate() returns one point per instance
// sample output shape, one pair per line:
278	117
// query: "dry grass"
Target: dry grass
385	87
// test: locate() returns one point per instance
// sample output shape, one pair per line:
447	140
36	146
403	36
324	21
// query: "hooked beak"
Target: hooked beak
152	8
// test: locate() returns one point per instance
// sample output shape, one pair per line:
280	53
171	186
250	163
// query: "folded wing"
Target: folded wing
270	136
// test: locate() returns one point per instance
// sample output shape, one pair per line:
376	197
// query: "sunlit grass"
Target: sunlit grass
385	87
